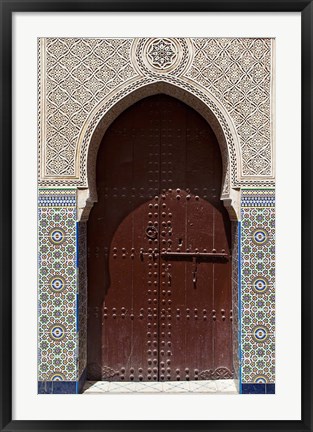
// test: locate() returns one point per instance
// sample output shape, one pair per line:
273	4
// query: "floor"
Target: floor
218	386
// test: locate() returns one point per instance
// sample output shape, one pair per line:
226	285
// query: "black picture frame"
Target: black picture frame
7	8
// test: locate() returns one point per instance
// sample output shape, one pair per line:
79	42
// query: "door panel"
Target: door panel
155	312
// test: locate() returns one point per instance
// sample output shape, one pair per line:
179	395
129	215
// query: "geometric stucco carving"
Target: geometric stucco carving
239	73
85	83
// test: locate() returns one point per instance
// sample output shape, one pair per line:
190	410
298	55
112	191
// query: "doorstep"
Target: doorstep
203	386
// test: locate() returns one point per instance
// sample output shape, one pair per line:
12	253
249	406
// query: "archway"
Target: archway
159	266
194	96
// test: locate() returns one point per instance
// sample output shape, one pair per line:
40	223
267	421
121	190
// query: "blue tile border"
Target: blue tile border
258	388
253	388
57	201
77	244
62	387
258	202
57	387
270	388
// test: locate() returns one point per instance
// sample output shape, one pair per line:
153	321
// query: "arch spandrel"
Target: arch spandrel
78	75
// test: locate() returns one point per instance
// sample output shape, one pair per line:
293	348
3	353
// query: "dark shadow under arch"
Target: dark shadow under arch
118	105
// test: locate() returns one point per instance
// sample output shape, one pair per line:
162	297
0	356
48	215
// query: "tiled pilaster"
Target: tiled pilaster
257	289
235	300
58	334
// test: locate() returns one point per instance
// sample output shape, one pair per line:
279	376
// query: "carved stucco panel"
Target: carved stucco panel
239	73
77	75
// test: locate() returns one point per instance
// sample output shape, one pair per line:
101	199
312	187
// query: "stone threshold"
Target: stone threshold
174	387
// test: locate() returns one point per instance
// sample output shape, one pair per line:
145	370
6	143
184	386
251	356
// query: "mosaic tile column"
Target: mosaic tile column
82	301
257	291
235	302
58	332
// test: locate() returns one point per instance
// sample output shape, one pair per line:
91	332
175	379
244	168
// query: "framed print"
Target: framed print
158	265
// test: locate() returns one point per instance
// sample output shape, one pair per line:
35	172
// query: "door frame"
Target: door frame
221	123
222	371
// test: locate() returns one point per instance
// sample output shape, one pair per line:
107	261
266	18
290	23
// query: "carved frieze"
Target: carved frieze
79	77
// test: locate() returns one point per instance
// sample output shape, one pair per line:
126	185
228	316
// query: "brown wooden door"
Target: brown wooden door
159	265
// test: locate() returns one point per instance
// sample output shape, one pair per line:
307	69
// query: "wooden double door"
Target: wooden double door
159	264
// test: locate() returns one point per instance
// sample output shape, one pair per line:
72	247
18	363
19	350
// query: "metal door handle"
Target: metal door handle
222	255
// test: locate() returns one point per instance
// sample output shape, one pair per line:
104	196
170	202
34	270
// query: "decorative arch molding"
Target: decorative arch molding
110	108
